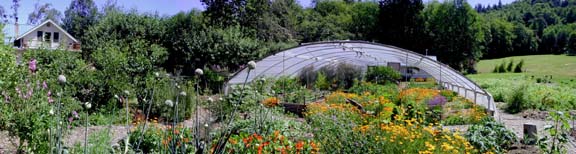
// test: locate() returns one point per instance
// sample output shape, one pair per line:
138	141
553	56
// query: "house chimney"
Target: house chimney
16	27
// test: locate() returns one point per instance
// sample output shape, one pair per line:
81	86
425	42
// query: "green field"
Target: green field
561	67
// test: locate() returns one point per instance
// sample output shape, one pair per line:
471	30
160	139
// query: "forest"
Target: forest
456	32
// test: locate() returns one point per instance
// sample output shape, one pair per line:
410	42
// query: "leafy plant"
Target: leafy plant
490	136
518	68
516	101
382	75
559	133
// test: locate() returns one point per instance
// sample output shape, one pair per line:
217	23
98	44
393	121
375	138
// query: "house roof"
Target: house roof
44	23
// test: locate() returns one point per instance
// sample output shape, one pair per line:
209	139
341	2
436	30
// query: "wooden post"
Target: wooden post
530	132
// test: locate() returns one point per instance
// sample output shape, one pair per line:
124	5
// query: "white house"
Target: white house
47	35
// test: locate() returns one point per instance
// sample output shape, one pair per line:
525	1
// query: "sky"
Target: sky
163	7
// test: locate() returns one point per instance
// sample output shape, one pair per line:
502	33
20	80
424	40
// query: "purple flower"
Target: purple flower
30	92
437	100
75	114
50	100
32	65
70	119
44	85
6	96
19	92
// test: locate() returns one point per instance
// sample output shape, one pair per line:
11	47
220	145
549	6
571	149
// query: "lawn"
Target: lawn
561	67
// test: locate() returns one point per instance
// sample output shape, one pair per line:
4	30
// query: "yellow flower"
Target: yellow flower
429	146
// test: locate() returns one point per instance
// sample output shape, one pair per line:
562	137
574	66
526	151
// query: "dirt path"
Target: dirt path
516	122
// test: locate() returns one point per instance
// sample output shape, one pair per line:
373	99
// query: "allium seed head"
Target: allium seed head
88	105
199	72
62	79
169	103
251	65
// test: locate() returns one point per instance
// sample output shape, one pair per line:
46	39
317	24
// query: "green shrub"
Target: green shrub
502	67
510	66
322	82
307	76
518	68
382	74
342	75
490	136
516	101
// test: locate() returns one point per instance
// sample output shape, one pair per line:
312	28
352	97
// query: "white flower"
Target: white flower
206	125
169	103
251	65
51	111
156	74
199	71
210	99
62	79
220	99
116	96
88	105
183	93
126	92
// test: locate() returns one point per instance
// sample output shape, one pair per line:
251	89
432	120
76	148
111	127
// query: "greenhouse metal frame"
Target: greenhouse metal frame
319	54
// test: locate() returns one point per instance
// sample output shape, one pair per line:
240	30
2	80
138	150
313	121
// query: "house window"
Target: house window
39	35
47	36
56	37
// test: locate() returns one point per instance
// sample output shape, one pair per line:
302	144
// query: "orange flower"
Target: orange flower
270	102
258	137
299	145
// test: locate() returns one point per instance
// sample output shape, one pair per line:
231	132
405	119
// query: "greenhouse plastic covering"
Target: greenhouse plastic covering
291	61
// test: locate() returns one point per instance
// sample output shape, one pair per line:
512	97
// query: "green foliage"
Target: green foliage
8	67
322	82
502	67
79	17
407	27
98	142
454	20
510	66
516	101
559	134
536	95
162	139
571	47
490	136
518	68
342	75
382	74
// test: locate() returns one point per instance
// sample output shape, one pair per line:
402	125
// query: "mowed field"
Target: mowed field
561	67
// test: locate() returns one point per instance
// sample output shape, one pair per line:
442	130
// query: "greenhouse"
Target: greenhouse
291	61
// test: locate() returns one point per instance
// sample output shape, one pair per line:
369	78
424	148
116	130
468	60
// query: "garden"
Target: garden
63	105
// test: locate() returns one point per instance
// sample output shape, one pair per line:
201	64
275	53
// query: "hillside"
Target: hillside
559	66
